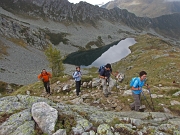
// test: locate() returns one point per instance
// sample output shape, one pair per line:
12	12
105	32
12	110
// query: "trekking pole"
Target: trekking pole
151	99
116	86
147	101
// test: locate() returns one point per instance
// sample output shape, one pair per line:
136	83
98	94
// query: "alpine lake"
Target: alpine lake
100	56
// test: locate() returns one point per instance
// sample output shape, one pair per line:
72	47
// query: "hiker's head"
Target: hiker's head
44	71
142	75
78	68
108	66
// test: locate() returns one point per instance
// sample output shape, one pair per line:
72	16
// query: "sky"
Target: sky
93	2
100	2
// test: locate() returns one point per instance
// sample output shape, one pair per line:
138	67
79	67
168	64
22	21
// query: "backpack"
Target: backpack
100	68
133	80
74	73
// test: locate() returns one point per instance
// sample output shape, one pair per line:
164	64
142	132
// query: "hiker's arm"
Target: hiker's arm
136	86
133	88
50	75
103	77
147	85
40	77
114	74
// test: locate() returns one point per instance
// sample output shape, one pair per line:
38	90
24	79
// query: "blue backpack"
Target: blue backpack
133	80
100	68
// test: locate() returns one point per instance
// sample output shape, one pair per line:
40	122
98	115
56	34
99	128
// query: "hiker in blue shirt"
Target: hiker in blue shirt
137	89
77	76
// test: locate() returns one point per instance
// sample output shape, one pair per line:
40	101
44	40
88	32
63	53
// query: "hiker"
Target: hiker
106	80
44	77
137	89
77	76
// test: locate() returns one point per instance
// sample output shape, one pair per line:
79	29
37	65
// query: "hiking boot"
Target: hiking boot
48	94
142	108
132	108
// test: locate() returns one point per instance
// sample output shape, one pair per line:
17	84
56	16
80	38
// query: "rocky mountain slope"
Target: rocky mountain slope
146	8
35	115
29	25
29	110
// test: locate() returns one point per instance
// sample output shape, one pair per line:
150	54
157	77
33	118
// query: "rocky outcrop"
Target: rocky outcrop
87	120
45	116
18	124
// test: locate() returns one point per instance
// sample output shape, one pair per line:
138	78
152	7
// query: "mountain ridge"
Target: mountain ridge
85	13
146	8
36	31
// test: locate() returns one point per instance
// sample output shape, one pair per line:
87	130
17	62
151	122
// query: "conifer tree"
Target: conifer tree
55	61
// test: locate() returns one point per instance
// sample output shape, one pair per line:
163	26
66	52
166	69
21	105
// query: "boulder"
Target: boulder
66	88
45	116
60	132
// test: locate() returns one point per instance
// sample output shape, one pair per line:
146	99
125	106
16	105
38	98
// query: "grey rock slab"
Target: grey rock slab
176	94
15	121
82	126
167	127
158	116
60	132
125	127
45	116
104	129
7	106
9	98
175	121
25	129
28	101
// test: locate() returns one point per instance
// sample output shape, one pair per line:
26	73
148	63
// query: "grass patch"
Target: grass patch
116	121
3	87
171	92
4	117
61	79
3	49
57	38
153	55
19	42
99	43
35	89
175	109
65	122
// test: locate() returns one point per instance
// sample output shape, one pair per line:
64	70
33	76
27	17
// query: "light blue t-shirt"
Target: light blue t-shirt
138	83
77	75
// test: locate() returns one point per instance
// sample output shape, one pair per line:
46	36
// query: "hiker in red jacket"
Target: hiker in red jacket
44	77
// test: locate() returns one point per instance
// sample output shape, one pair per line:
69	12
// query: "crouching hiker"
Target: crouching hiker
106	80
77	76
45	77
136	86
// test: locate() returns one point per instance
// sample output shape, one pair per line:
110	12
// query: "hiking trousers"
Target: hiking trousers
107	85
137	102
47	87
78	85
